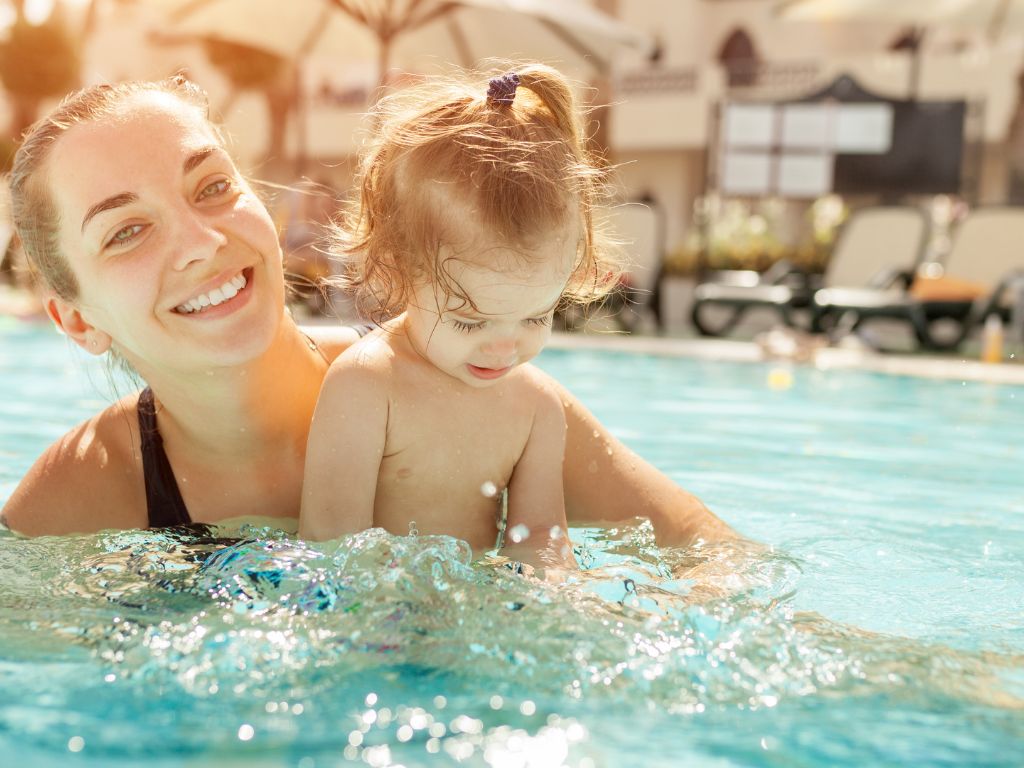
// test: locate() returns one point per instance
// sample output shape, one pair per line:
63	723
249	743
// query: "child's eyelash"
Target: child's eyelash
546	320
465	327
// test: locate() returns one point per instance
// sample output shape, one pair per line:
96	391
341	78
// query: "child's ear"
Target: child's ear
71	322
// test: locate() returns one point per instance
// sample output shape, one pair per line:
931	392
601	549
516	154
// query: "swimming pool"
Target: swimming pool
886	626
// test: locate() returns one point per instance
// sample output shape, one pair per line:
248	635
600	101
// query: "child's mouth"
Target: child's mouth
488	373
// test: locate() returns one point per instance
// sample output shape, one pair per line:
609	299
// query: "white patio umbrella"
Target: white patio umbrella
413	34
996	17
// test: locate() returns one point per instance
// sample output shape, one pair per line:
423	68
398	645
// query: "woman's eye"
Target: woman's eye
125	234
461	325
216	188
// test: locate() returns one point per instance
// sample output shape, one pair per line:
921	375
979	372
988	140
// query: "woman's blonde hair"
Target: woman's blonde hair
33	211
516	161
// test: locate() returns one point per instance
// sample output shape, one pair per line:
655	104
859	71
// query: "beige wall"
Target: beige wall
659	137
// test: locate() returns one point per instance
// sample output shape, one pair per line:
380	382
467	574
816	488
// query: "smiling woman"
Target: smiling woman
153	247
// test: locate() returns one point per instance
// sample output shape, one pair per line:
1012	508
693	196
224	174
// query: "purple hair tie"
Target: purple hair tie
502	90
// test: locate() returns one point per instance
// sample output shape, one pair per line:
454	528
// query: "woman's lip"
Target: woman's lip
236	302
487	373
217	282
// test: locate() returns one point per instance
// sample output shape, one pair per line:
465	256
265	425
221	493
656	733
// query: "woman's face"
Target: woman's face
177	261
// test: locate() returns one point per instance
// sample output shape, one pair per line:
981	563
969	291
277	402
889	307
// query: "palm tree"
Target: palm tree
251	69
37	62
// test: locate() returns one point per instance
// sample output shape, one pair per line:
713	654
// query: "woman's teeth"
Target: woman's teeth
217	296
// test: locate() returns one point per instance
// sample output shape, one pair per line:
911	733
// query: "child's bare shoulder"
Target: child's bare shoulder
537	387
367	364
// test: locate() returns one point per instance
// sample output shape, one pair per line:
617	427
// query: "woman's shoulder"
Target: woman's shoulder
332	340
88	480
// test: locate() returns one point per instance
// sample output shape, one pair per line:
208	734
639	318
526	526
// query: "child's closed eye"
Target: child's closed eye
466	326
543	321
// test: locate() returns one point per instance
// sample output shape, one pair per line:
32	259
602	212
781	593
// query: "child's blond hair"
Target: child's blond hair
516	163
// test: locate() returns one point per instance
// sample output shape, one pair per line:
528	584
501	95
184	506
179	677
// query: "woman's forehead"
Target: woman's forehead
144	124
142	140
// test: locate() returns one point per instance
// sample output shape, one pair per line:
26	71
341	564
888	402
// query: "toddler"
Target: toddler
475	222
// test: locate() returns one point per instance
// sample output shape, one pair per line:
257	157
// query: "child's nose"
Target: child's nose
502	345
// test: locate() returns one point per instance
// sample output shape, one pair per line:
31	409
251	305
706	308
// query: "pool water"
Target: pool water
883	623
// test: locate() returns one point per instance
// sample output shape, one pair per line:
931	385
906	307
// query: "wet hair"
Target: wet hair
34	214
447	158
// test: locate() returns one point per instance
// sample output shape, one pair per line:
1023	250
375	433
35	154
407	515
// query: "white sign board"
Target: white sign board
749	125
863	129
804	175
807	126
746	173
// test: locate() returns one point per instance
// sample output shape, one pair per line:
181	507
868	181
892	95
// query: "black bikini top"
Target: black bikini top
163	498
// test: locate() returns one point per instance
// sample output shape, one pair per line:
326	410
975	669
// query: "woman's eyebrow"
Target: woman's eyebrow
124	198
197	157
114	201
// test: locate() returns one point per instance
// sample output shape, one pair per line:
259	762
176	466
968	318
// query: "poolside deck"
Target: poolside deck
951	367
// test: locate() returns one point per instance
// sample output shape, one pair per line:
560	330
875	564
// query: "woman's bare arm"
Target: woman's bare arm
88	480
606	482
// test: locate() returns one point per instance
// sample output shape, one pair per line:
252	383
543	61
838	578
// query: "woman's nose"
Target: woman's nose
197	239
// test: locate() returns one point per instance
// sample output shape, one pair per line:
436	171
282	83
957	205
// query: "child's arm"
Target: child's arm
535	499
343	455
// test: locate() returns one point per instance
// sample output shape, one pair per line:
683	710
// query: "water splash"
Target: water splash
247	642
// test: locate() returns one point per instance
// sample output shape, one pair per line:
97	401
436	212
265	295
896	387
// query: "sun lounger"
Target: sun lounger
877	247
987	247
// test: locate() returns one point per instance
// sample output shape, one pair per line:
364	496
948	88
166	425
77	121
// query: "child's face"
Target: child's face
512	319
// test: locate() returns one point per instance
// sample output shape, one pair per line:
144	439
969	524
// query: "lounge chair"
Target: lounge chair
639	227
987	247
876	247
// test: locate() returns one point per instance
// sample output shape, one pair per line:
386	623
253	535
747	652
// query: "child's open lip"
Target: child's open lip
488	373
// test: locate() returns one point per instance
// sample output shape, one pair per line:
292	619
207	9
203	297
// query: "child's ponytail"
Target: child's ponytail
506	156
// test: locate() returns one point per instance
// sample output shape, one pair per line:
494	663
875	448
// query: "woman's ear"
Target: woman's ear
67	317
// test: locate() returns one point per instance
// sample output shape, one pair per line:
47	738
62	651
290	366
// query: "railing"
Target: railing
658	80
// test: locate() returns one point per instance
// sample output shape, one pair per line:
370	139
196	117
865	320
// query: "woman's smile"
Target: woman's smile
223	293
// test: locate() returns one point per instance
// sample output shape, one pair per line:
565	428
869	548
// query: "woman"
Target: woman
154	248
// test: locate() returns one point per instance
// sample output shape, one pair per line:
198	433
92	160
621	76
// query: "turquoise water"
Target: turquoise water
883	625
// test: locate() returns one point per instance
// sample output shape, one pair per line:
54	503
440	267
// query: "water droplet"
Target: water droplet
527	708
76	744
519	533
371	699
592	467
497	702
246	732
555	533
489	490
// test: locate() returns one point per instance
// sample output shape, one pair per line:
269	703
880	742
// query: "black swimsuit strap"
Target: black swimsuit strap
163	498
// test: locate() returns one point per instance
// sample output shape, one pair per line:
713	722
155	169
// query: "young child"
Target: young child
474	224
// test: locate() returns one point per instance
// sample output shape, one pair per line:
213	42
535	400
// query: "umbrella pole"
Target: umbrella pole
383	62
916	54
301	121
